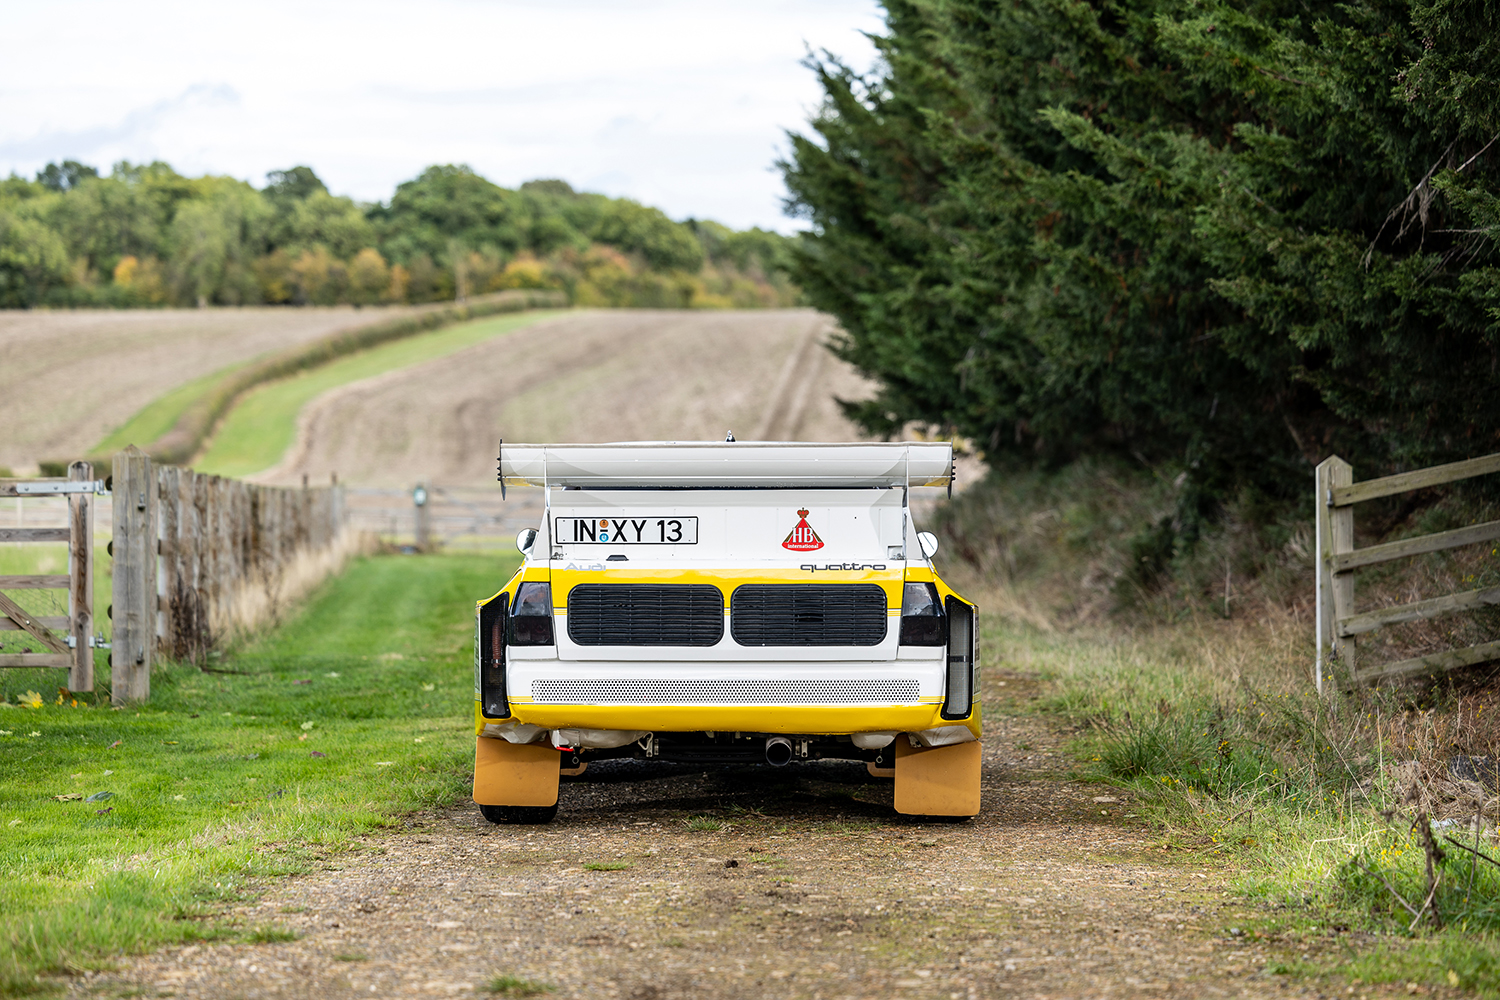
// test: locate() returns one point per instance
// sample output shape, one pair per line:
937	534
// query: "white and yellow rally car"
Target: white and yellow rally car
717	603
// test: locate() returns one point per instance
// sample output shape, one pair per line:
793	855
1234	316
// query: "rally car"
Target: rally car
725	602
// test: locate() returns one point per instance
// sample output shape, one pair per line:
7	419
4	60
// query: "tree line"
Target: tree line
145	235
1222	240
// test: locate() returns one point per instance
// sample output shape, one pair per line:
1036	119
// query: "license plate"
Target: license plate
627	530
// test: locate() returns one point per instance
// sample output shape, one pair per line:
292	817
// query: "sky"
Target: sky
680	105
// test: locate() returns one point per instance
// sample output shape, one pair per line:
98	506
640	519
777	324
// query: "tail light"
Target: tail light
959	702
922	621
489	658
531	618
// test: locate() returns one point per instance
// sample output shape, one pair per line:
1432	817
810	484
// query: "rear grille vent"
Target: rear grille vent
808	614
645	614
670	691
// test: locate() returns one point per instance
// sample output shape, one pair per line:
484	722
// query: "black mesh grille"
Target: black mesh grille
808	614
645	614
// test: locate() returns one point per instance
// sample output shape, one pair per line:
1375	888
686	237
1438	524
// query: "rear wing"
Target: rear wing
737	465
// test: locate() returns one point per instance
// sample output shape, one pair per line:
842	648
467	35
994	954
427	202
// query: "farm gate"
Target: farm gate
1338	623
67	641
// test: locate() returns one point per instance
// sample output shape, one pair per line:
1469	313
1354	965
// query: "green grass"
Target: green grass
159	415
515	986
263	424
606	866
228	779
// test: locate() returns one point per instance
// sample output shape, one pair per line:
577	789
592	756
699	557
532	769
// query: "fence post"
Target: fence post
1335	591
81	579
134	590
424	522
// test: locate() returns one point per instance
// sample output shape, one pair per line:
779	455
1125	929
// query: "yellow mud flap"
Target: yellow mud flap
511	774
942	781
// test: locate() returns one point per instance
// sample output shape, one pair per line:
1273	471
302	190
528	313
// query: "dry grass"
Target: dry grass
267	600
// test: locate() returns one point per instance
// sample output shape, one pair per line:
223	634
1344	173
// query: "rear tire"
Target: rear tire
528	815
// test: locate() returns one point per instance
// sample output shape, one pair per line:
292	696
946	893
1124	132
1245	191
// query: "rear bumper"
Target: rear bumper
806	720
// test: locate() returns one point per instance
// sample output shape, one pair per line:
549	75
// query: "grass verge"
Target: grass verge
262	425
1212	726
349	716
160	415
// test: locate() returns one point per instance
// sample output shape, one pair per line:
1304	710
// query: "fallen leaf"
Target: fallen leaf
384	763
179	798
115	744
333	673
319	753
4	732
1105	798
419	739
429	687
170	743
108	773
15	822
100	796
101	812
69	797
307	725
33	733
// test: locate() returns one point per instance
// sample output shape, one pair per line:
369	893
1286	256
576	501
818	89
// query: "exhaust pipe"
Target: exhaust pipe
778	751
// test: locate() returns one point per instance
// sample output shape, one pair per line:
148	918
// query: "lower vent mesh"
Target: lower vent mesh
666	691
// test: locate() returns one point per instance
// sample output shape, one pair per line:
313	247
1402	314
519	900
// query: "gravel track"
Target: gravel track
761	882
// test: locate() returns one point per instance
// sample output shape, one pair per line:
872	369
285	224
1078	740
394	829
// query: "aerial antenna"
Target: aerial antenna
729	437
500	467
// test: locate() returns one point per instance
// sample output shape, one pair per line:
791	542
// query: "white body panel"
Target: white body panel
846	522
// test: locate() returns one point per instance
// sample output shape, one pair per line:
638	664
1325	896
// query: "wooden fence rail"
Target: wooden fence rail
196	556
1338	625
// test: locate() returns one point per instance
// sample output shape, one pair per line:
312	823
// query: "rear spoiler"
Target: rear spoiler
742	465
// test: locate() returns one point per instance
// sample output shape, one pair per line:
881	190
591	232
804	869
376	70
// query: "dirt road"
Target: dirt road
761	882
56	366
629	374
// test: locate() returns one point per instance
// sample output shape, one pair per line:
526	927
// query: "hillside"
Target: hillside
67	379
591	376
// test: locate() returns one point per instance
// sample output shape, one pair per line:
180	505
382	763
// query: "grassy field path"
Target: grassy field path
344	719
680	882
605	375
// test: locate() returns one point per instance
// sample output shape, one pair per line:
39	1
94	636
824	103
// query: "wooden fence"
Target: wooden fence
196	556
455	517
68	640
1338	624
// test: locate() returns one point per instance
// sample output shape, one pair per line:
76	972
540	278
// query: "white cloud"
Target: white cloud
681	105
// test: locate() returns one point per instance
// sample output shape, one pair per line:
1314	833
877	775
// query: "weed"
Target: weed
515	986
606	866
704	823
351	956
270	935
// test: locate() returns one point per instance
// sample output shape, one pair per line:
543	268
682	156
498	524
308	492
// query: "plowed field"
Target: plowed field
588	376
67	379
